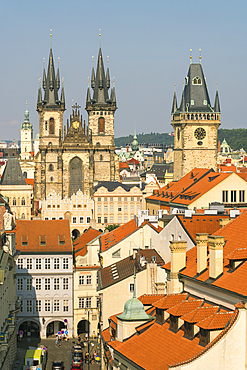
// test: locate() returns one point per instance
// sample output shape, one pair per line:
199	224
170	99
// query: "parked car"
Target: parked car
77	354
57	365
76	367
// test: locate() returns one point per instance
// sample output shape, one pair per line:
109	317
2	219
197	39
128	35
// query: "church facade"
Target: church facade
77	157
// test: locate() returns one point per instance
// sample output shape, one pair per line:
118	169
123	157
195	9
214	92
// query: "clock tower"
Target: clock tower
195	124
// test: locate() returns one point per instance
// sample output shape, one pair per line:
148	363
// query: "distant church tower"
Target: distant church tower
48	166
26	137
101	110
195	125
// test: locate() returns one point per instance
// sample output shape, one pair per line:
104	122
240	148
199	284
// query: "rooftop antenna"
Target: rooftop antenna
50	38
190	56
134	292
92	61
200	57
100	38
88	82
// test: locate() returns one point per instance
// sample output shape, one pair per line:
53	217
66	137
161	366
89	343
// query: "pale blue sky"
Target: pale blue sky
148	43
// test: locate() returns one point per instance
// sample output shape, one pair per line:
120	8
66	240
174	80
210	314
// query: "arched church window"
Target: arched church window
23	202
51	126
25	174
14	202
98	144
197	81
23	216
51	179
75	175
101	157
46	125
50	143
50	167
101	125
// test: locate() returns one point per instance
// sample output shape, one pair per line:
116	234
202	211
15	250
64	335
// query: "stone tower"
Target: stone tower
48	162
101	110
195	125
26	137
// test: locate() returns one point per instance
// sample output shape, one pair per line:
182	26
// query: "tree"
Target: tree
112	227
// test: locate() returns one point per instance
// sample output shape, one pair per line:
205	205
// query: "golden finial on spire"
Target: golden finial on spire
58	59
99	32
50	32
190	56
26	102
200	57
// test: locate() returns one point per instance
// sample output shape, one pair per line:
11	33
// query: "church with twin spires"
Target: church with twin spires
75	157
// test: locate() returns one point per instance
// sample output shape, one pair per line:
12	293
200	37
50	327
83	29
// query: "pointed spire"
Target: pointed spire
93	75
108	74
39	100
174	103
44	75
113	93
62	93
58	77
182	105
88	91
26	125
217	101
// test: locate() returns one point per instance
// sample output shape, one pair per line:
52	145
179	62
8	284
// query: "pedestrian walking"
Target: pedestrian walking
97	359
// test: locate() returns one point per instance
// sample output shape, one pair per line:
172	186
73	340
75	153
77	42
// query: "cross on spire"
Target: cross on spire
76	106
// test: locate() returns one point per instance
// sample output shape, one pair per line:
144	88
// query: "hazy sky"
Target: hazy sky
148	43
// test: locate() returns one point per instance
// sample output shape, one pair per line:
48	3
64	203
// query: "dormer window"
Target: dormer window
197	81
159	316
188	330
24	240
204	337
42	240
61	239
173	323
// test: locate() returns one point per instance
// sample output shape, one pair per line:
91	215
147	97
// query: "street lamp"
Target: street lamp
88	343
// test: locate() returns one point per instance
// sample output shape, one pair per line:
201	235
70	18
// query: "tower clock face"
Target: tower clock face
76	124
200	133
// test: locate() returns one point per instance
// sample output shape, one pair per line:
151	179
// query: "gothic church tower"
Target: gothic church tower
48	162
101	110
195	124
26	137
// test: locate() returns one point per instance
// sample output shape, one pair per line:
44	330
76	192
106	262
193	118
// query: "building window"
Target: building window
56	305
65	305
29	305
119	219
111	199
29	263
241	196
50	167
132	209
47	263
225	196
51	126
85	302
20	263
81	280
38	263
65	283
19	284
125	208
132	199
99	199
81	220
119	209
111	208
233	196
56	263
196	81
125	199
47	284
101	157
42	240
23	216
88	220
23	202
74	220
131	287
105	220
38	305
105	209
21	306
98	302
99	220
119	199
65	263
125	219
111	219
47	305
101	125
56	283
89	279
99	208
38	284
14	202
51	179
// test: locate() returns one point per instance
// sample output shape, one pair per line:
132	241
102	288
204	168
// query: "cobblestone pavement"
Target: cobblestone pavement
55	353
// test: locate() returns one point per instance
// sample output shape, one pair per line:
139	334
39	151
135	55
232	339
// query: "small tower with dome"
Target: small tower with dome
26	137
133	315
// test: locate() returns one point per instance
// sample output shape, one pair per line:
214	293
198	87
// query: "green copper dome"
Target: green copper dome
135	144
26	125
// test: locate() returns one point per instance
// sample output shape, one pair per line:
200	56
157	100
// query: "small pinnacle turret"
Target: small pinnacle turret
217	102
174	103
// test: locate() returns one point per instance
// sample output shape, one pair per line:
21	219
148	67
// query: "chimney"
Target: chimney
224	222
201	241
178	261
216	244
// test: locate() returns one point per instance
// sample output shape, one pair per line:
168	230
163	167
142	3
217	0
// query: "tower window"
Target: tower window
50	167
46	125
51	126
192	102
51	178
23	202
197	81
101	125
101	157
14	202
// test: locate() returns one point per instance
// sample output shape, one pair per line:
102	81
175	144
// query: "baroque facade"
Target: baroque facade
76	158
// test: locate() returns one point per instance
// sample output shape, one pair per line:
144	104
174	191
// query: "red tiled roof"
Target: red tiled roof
123	165
185	307
35	229
200	313
158	229
80	245
171	300
201	223
148	299
30	182
106	335
238	254
116	235
216	321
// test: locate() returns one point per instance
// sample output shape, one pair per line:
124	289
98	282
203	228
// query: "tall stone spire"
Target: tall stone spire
217	101
51	82
174	103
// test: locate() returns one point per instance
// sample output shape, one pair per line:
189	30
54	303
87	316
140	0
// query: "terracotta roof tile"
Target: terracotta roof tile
148	299
106	335
30	182
80	245
51	229
114	236
200	313
216	321
171	300
185	307
238	254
